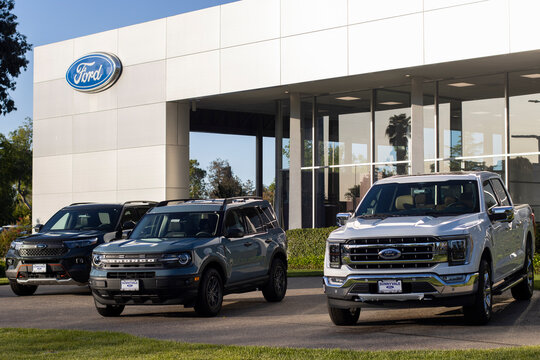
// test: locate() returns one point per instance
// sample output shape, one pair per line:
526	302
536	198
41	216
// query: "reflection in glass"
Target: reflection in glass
524	101
307	198
384	171
493	164
524	180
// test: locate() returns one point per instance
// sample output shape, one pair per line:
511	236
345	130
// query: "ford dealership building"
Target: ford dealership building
352	91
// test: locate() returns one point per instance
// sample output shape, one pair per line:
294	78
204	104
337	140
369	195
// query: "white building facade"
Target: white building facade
352	91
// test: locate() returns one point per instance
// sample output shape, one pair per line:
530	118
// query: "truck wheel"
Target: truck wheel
524	290
479	313
276	287
343	317
210	295
109	310
22	290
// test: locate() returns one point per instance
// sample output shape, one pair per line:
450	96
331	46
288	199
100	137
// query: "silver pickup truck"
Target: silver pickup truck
444	239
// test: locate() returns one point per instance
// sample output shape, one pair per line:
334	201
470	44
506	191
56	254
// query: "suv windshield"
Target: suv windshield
177	225
443	198
83	219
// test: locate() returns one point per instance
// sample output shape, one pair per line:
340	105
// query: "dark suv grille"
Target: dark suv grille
131	275
116	261
48	251
413	253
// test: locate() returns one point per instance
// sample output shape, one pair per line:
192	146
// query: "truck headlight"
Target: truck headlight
96	260
334	255
457	251
80	243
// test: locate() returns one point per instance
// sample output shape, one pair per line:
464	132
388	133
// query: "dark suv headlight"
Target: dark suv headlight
182	259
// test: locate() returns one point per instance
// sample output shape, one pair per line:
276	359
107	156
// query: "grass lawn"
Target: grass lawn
75	344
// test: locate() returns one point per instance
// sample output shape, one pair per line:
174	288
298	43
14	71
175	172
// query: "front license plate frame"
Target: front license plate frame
390	286
129	285
39	268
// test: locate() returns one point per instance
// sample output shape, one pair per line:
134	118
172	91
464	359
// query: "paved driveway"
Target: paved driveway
301	320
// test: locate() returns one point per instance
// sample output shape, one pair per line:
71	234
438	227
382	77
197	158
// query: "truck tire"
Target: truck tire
22	290
109	310
524	290
210	294
479	313
343	317
276	287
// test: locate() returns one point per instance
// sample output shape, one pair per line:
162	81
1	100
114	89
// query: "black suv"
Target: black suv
193	252
60	251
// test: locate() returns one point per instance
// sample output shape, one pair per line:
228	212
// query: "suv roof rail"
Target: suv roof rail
166	202
140	201
82	203
238	198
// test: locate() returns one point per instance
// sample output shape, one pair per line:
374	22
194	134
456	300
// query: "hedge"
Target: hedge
2	269
306	247
7	236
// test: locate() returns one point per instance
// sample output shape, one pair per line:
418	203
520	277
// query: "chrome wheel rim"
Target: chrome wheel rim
213	291
487	293
530	271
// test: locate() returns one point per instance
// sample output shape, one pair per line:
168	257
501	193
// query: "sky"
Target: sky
48	21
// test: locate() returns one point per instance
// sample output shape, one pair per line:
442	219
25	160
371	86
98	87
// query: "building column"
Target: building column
259	160
416	149
295	164
278	202
177	158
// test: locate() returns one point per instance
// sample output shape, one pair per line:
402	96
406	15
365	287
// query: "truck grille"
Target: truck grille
48	251
406	253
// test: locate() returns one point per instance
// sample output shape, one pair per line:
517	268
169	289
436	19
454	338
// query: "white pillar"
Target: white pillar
416	149
295	163
177	163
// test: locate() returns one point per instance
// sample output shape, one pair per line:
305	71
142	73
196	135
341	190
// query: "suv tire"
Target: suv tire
343	317
276	287
524	290
479	313
22	290
109	310
210	294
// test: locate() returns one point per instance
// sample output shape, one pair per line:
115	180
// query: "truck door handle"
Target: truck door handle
248	244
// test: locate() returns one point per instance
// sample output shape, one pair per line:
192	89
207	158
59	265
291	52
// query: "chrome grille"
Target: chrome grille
48	251
414	252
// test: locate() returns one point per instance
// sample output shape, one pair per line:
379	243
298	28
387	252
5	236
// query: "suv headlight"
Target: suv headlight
181	258
80	243
15	244
96	260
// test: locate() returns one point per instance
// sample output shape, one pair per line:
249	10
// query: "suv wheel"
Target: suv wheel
109	310
343	317
524	290
22	290
276	287
479	313
210	295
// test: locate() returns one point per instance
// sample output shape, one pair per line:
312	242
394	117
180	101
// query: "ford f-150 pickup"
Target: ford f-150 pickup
441	240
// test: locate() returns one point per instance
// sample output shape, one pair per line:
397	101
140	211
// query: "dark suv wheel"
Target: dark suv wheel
109	310
276	287
210	295
22	290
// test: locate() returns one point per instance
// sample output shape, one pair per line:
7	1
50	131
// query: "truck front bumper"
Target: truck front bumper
432	289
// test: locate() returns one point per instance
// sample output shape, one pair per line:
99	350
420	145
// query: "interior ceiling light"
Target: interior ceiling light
347	98
461	84
531	76
391	103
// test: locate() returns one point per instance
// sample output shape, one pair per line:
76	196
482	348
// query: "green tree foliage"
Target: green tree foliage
13	47
197	185
399	133
223	183
16	174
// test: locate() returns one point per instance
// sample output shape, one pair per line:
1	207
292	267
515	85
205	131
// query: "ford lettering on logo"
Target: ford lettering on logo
94	72
389	254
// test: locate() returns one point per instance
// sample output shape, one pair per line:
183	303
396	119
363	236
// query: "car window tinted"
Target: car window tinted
500	192
83	219
130	214
489	196
234	221
269	217
253	221
177	225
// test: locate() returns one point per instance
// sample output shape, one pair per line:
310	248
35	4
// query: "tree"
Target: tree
223	183
269	192
13	47
399	133
197	185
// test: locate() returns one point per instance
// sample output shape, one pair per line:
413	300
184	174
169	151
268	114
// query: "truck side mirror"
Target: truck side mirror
341	218
501	213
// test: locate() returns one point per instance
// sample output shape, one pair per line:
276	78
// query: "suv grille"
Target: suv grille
116	261
408	253
131	275
48	251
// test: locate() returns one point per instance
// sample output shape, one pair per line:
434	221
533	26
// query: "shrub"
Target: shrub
7	236
306	247
2	269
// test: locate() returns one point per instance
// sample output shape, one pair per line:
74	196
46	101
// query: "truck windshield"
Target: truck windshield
443	198
83	219
176	225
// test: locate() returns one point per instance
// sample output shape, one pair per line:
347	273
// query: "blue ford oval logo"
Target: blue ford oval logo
94	72
389	254
41	246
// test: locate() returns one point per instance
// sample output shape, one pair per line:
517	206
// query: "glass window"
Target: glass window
524	88
178	225
524	180
489	196
500	192
253	221
83	219
269	217
234	221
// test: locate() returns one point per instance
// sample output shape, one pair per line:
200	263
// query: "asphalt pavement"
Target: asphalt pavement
300	320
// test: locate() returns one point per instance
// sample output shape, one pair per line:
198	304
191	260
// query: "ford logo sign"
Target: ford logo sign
94	72
41	246
389	254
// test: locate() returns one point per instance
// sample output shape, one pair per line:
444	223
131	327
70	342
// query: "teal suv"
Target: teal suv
193	252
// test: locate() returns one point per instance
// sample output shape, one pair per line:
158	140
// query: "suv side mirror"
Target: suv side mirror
38	227
234	233
501	213
128	225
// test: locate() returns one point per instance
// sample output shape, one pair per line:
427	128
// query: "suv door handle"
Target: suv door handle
247	244
268	241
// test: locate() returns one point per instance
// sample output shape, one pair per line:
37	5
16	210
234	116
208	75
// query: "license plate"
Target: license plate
39	268
390	286
129	285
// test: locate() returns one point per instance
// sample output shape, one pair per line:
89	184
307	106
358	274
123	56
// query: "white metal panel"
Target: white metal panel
142	42
141	126
106	41
249	21
142	84
153	194
466	32
524	25
52	61
362	11
193	75
94	171
193	32
141	168
250	66
52	174
301	16
52	98
46	205
314	56
88	102
95	196
52	136
96	131
386	44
